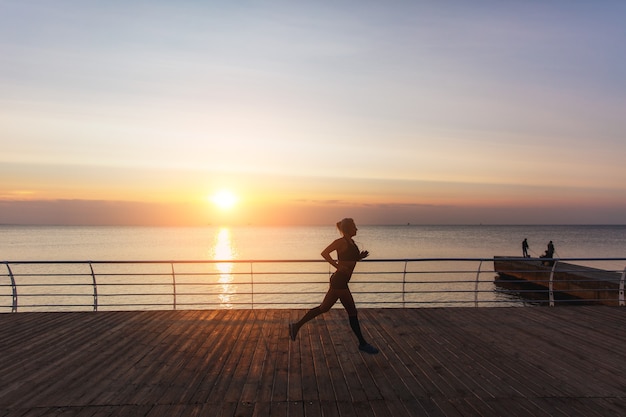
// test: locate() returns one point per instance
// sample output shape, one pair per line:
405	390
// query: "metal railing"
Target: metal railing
381	283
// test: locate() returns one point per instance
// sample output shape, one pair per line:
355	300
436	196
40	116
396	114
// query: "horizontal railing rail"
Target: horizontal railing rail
386	283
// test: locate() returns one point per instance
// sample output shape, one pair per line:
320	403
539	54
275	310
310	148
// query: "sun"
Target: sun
224	199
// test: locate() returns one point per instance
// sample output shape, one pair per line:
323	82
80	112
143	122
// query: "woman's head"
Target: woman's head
347	227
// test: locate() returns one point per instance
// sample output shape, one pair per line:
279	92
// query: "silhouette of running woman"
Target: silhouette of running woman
348	254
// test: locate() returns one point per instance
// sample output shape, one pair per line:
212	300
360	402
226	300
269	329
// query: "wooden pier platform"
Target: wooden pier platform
563	361
590	285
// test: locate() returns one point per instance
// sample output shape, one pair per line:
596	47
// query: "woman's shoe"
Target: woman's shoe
367	348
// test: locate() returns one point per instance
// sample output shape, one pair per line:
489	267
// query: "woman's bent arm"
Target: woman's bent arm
329	249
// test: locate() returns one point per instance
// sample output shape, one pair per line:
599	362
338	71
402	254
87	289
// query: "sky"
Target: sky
422	112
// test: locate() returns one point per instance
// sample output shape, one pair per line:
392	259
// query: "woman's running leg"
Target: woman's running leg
348	303
329	300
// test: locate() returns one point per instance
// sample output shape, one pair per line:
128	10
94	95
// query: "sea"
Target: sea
55	243
579	243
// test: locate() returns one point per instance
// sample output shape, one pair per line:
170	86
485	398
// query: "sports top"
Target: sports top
351	253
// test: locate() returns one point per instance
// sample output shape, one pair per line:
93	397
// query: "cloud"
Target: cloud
97	213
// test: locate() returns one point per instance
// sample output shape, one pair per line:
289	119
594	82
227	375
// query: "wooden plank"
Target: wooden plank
89	334
265	390
260	353
408	342
347	354
394	380
176	372
302	352
554	361
297	363
510	366
216	345
247	346
381	408
312	409
196	354
322	372
280	349
120	349
490	376
437	362
229	363
450	362
330	360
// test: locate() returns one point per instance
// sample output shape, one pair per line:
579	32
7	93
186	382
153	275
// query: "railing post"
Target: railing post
404	284
95	288
13	289
551	283
252	284
622	303
173	284
476	285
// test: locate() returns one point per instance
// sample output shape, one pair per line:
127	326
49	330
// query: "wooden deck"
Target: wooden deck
563	361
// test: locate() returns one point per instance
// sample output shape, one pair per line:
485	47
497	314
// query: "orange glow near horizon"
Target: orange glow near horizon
289	200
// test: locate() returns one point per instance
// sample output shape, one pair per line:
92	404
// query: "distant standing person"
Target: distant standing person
525	248
348	254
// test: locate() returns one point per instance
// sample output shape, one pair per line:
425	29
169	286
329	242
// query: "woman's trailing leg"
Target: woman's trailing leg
310	315
363	345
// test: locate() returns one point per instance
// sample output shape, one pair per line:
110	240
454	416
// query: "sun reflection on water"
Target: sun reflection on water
224	251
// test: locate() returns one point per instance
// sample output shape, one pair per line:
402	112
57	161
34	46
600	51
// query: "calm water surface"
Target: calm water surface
22	243
383	242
